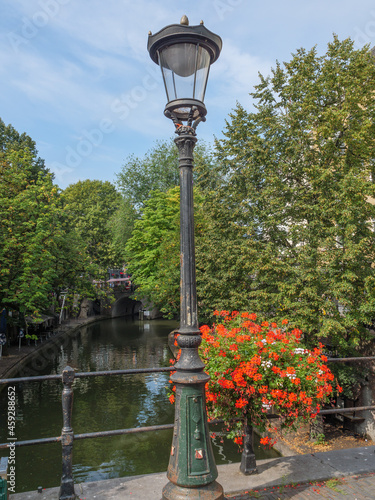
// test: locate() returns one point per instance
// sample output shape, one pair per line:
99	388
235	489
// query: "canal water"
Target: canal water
101	403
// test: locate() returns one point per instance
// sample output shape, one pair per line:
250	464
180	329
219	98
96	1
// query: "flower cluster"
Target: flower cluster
258	367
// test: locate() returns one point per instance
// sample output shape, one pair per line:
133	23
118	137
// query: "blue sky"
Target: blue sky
76	75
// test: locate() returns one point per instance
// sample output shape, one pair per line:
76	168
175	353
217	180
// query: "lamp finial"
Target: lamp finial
184	20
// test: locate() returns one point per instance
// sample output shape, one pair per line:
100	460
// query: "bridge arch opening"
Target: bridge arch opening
125	307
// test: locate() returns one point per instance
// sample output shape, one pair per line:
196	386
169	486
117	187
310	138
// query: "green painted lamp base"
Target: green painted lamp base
212	491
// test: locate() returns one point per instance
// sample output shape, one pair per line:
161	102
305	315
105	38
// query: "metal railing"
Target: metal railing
67	435
248	464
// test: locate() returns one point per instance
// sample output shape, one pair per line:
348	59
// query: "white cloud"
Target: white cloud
234	75
88	62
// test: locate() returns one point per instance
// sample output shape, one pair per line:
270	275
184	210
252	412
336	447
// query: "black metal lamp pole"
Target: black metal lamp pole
185	53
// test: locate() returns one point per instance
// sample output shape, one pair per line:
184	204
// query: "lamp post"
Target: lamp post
185	54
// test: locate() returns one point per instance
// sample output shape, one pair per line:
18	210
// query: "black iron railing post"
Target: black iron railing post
67	436
248	463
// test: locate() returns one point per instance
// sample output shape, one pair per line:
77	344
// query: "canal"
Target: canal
101	403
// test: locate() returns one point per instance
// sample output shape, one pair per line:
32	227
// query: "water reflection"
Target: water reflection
100	403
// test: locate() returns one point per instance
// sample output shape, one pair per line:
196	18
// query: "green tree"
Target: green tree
90	206
121	226
157	171
38	255
225	254
153	251
301	168
11	140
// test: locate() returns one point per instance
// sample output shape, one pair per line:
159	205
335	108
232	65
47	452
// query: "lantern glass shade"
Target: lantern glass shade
185	68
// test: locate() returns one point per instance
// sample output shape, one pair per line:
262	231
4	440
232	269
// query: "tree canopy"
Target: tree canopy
91	206
153	251
40	253
11	140
40	256
301	168
157	170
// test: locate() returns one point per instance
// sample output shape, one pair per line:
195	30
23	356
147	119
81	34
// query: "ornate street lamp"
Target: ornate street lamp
185	54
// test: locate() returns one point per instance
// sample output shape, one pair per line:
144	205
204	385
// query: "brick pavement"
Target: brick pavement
359	487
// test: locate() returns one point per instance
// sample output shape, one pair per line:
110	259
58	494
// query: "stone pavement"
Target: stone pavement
341	474
351	487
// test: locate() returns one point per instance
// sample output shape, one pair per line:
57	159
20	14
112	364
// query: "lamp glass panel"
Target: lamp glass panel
203	67
185	70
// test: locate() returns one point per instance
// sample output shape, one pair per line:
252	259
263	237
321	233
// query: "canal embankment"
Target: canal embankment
17	357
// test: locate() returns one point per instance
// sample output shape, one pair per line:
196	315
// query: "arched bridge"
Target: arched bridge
122	306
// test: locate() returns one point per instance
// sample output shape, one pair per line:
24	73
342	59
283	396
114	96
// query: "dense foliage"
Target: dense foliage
225	254
158	170
29	230
11	140
41	253
152	244
153	251
91	205
300	171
